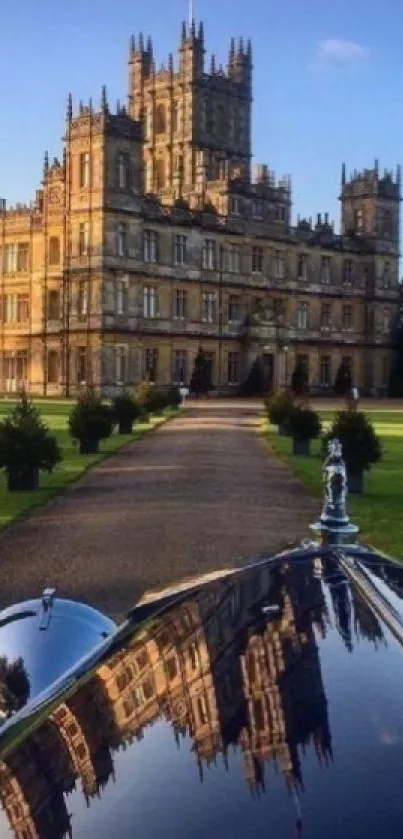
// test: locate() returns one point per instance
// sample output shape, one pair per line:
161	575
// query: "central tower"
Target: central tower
197	125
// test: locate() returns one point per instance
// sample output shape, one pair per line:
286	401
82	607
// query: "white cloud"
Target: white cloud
336	51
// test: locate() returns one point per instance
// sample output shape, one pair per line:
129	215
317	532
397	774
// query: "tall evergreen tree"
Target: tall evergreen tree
256	382
395	384
300	379
200	382
344	380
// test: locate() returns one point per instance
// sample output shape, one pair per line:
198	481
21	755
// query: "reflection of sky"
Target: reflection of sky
158	794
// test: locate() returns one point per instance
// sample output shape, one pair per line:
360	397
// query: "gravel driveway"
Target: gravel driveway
201	493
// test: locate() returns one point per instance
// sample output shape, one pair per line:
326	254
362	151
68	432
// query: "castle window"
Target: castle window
160	121
387	224
122	171
53	367
359	220
120	297
180	249
209	307
180	304
234	259
150	246
121	364
302	267
233	368
82	299
325	273
348	272
84	170
150	302
159	174
325	370
281	213
84	238
81	362
257	260
234	313
23	256
54	250
386	321
11	258
209	255
347	317
279	266
53	305
325	316
121	240
202	709
257	208
234	205
150	364
387	279
302	316
180	365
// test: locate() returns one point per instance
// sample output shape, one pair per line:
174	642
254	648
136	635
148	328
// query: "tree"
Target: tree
201	376
300	379
14	686
344	380
395	384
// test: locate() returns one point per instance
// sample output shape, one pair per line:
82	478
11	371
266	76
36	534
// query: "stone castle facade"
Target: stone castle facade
151	238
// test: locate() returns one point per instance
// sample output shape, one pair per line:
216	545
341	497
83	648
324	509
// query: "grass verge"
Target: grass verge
378	512
15	505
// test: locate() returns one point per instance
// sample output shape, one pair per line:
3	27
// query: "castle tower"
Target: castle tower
197	126
370	204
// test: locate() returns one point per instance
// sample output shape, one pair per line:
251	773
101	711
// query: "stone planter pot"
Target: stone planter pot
28	480
355	482
89	446
301	447
126	427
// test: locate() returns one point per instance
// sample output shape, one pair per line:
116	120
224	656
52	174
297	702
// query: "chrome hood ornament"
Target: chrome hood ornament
334	526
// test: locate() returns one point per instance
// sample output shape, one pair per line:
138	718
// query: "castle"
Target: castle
151	237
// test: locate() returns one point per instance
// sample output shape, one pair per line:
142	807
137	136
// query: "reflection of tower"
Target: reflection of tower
91	746
280	662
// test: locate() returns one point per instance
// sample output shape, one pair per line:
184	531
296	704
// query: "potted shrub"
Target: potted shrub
278	407
152	400
90	421
174	398
125	410
361	446
26	446
303	426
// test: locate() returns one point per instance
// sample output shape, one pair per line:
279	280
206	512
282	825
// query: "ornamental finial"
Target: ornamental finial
334	524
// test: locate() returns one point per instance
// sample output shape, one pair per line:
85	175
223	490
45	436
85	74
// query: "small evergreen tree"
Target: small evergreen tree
200	382
344	380
300	379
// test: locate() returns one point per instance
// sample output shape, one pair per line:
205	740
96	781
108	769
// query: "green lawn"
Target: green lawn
55	413
379	511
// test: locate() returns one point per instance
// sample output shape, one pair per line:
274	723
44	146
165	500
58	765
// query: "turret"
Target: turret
192	50
240	63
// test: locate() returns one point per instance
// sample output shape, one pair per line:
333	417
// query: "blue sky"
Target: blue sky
327	80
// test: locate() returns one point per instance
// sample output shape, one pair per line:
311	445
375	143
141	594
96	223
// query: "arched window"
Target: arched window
122	171
160	121
160	174
54	250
